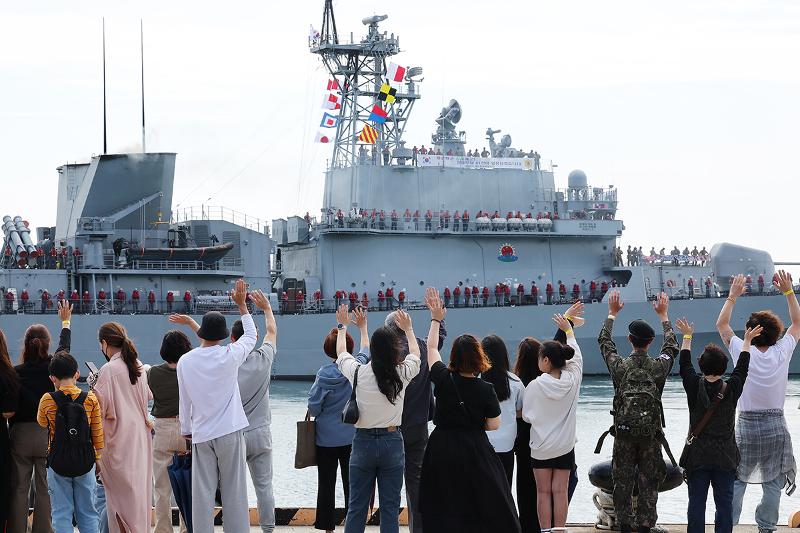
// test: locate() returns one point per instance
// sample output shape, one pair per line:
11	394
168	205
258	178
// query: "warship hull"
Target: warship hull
300	336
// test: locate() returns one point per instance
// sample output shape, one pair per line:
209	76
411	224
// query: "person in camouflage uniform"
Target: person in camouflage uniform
638	462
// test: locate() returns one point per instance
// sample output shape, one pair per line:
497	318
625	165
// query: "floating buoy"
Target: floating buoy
794	519
600	477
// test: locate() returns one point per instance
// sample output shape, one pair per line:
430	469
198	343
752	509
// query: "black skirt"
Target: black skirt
562	462
464	487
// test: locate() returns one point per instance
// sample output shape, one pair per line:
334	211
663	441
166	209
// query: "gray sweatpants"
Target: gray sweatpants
258	443
220	462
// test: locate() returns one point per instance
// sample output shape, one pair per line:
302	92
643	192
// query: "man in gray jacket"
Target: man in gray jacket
254	379
417	411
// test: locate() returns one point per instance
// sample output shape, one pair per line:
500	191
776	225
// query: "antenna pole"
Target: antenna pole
141	41
105	138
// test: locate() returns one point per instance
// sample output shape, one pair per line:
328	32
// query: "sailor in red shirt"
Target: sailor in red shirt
299	301
381	300
365	301
507	294
416	219
603	288
749	283
337	298
285	302
170	299
690	284
467	296
87	302
456	296
135	295
101	298
120	297
456	220
562	291
549	292
75	300
761	283
45	301
428	220
23	298
498	294
53	256
401	298
340	218
534	293
576	292
151	301
187	302
317	297
446	218
447	296
390	298
485	295
520	294
708	287
465	220
353	300
475	295
60	295
9	301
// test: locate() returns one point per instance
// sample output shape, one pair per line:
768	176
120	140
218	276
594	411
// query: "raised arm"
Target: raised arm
575	314
247	342
576	363
438	311
65	315
670	346
785	285
403	321
607	347
688	373
262	302
724	320
360	320
184	320
740	371
342	319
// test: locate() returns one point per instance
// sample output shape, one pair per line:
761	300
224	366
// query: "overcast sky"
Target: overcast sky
690	108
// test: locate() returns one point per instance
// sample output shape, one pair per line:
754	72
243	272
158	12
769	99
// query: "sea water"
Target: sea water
298	488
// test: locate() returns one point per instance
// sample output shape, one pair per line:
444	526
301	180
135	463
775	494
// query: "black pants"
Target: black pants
328	459
507	458
415	439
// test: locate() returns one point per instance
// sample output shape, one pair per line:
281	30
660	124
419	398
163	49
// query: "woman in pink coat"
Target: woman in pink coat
125	466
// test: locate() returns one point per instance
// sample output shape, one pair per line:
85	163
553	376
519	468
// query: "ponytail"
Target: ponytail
35	345
558	353
115	336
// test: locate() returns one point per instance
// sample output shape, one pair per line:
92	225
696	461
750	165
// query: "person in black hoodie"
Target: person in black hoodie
710	455
28	438
9	398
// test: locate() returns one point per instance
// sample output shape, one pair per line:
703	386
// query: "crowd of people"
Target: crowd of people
634	256
118	302
100	457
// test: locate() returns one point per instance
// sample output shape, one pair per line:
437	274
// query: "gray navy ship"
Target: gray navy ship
394	220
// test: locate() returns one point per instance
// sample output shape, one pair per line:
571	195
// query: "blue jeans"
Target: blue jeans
721	482
100	504
72	496
767	509
377	454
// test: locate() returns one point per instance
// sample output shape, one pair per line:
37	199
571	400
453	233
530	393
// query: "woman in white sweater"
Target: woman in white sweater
549	405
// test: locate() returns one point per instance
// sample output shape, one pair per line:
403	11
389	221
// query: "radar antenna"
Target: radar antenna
360	69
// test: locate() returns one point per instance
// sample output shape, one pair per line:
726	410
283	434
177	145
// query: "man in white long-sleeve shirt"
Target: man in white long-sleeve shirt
212	415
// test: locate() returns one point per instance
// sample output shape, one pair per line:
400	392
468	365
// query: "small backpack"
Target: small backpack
71	450
638	413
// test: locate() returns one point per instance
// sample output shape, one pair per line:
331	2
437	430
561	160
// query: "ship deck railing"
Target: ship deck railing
223	304
215	212
112	261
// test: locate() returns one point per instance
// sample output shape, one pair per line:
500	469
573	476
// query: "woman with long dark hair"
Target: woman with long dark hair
126	467
526	368
378	444
28	438
464	485
509	390
550	406
334	438
9	400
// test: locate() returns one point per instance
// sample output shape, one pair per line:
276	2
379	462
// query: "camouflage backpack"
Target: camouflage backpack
638	413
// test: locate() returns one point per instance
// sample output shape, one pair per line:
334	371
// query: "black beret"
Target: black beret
641	330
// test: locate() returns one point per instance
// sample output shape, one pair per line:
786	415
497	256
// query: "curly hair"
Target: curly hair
772	324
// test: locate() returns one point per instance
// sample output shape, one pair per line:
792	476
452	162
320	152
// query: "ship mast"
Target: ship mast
360	70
